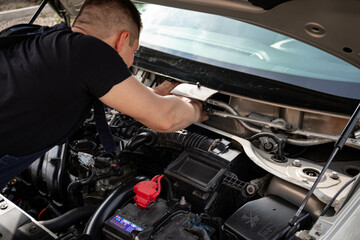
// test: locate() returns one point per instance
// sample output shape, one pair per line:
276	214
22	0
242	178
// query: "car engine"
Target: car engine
240	175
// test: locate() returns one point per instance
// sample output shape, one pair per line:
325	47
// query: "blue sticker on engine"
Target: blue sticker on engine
125	224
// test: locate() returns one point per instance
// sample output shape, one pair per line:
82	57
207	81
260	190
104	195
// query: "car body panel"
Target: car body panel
272	125
330	25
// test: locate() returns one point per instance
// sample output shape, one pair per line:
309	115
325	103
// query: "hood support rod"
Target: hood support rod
38	11
338	146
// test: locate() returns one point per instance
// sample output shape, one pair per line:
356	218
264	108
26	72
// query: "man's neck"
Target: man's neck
79	30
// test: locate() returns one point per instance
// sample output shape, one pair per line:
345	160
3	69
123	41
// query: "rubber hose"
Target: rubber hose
178	140
82	182
79	183
140	139
279	157
289	230
69	218
183	140
109	205
54	210
265	134
169	191
166	220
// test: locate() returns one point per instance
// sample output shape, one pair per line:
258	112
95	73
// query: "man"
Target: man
49	83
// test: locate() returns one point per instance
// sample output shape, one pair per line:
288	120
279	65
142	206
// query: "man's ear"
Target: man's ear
121	39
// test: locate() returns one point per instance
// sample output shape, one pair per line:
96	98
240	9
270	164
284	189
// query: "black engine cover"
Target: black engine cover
260	219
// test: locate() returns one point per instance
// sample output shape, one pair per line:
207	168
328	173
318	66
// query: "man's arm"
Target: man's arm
160	113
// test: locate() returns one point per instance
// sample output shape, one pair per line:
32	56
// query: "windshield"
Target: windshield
240	46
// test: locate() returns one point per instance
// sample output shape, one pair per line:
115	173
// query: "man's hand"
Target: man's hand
165	88
202	114
198	108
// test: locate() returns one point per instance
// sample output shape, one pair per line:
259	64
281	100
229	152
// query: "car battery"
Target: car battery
131	220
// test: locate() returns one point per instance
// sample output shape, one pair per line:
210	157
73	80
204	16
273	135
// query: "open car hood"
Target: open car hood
274	116
330	25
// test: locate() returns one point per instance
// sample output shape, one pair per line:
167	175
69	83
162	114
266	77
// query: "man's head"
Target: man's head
116	22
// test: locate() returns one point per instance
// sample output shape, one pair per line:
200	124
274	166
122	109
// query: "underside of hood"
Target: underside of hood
330	25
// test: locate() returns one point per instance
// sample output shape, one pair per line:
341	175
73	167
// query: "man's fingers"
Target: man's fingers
165	88
203	116
199	108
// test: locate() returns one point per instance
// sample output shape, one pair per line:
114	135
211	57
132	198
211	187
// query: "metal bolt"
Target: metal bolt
182	201
268	146
296	163
198	85
304	180
319	227
250	189
334	175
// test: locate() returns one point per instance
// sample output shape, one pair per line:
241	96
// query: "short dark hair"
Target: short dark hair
107	16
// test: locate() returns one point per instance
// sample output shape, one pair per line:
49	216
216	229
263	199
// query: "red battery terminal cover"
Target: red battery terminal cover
147	191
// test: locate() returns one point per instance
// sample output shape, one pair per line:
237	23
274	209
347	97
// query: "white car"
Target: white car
280	81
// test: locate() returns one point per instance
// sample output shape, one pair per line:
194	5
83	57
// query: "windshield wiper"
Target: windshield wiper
317	138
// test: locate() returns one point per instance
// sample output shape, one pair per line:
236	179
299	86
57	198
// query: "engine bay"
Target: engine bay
240	175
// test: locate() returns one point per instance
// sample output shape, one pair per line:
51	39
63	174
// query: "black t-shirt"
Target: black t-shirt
48	84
